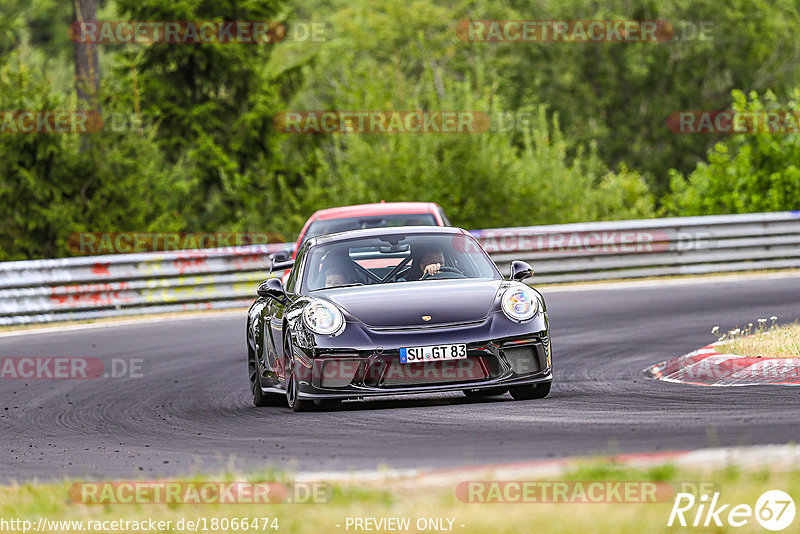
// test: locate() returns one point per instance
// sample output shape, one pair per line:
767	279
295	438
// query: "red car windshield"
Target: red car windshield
332	226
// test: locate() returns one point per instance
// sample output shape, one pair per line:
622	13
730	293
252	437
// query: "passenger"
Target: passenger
339	270
335	276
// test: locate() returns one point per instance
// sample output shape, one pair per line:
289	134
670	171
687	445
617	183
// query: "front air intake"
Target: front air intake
523	360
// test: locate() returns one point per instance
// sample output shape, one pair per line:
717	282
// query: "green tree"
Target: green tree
619	95
377	59
745	173
50	189
214	103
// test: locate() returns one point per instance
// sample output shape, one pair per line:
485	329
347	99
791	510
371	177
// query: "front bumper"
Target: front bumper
336	373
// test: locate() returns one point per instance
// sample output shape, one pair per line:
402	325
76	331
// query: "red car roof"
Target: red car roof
364	210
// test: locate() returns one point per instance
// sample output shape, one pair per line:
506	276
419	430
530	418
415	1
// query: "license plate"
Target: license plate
433	353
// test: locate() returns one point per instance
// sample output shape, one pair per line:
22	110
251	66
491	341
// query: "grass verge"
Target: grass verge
759	342
398	499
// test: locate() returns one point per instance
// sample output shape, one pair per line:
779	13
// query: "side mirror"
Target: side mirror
279	257
272	288
520	270
280	266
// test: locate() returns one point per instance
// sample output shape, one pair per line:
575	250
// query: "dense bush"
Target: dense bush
746	173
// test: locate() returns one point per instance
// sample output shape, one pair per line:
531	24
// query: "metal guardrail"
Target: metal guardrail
126	284
650	247
89	287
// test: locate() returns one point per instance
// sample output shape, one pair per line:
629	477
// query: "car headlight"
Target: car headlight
323	318
520	303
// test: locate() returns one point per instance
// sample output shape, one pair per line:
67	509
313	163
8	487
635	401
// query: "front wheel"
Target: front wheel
293	383
260	398
536	391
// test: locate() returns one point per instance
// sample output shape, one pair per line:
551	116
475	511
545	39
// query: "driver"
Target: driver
427	262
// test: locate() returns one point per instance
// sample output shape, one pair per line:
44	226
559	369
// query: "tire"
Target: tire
536	391
260	398
293	384
477	394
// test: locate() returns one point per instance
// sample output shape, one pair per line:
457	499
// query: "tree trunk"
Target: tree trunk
87	63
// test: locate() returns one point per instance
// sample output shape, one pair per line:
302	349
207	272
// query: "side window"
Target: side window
291	282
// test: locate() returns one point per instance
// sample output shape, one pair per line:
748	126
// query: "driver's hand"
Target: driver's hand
431	269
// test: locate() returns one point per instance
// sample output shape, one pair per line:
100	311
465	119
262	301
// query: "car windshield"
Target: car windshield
396	258
332	226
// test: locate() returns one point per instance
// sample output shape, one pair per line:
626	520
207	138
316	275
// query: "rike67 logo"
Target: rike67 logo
774	510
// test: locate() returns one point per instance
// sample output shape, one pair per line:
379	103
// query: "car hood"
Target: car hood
404	304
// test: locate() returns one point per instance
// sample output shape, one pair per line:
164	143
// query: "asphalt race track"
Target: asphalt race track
190	411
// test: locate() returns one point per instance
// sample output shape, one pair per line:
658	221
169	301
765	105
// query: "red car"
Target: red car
332	220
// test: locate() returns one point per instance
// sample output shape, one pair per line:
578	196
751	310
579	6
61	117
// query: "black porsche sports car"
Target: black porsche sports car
400	310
